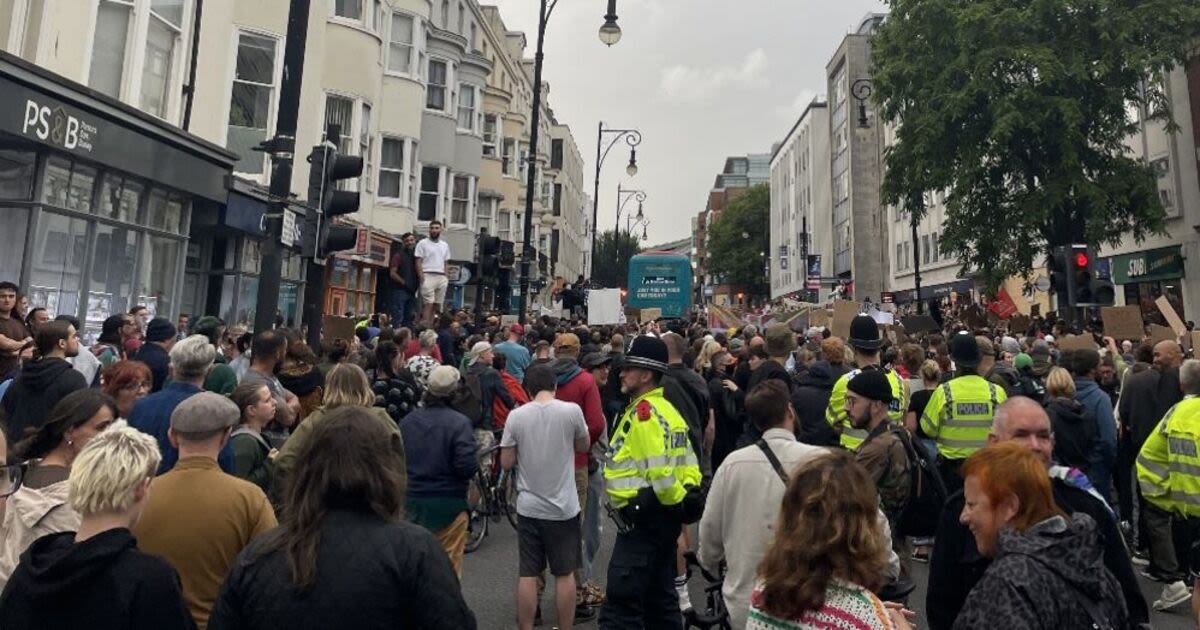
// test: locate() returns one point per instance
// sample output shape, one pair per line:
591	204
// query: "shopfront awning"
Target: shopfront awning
1148	266
42	107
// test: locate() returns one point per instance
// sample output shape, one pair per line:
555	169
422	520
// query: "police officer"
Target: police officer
1168	472
653	483
865	340
959	414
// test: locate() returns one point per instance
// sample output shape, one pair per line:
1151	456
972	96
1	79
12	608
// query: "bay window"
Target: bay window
349	9
355	134
401	44
365	145
435	86
431	187
485	214
252	101
460	200
506	157
504	225
467	97
491	131
395	171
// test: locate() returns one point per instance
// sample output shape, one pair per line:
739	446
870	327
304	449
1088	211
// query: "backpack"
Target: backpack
927	492
500	410
468	399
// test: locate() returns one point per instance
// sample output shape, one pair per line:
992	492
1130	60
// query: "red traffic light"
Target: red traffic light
1081	260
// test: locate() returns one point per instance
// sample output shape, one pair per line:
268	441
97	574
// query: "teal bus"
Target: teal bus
661	280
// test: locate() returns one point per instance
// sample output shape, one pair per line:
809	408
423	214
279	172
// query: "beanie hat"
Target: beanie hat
780	340
1022	361
872	385
160	329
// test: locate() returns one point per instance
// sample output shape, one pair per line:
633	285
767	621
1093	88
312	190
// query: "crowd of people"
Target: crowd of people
196	475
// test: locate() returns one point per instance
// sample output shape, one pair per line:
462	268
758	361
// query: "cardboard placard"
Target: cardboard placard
1195	336
1077	342
1172	317
843	313
335	327
1162	333
1123	322
1019	323
649	315
508	320
604	307
916	324
818	318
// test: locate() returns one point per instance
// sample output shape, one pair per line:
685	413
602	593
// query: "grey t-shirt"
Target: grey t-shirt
545	434
258	378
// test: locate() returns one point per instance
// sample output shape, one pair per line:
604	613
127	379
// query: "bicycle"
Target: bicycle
714	615
489	497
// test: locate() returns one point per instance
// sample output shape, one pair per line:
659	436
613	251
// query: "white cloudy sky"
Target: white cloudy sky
702	80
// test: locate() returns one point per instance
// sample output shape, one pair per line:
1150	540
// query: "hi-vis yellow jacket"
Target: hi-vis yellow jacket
650	448
959	415
835	413
1168	467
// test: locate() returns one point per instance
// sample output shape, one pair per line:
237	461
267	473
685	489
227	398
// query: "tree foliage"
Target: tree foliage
610	267
1020	109
739	240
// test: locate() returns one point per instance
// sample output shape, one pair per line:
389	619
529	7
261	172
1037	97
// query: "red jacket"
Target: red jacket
577	386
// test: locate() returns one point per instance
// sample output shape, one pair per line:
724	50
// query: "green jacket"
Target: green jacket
250	461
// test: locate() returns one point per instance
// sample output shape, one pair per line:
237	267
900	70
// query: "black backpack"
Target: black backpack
927	492
468	399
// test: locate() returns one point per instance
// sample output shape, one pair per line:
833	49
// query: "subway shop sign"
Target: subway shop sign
1148	266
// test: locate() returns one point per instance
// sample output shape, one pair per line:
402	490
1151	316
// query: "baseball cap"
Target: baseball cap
593	360
517	329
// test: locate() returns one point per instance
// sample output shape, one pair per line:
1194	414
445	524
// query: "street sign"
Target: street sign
1042	284
288	236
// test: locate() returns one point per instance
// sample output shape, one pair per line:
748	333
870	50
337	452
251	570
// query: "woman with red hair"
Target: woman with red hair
126	382
1048	570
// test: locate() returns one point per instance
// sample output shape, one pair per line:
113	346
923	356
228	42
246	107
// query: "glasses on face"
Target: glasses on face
11	477
136	386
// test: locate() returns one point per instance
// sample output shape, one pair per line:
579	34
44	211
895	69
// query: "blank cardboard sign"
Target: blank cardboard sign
1123	322
843	312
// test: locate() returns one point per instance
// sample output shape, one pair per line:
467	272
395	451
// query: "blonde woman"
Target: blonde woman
704	357
118	586
346	385
1074	432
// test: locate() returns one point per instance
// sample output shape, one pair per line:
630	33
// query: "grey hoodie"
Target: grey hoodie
1041	578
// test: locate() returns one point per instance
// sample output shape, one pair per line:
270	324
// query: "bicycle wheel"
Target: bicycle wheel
507	492
477	518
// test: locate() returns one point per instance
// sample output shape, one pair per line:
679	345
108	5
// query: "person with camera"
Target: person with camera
653	483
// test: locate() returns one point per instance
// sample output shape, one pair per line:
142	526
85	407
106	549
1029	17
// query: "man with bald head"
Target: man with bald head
956	564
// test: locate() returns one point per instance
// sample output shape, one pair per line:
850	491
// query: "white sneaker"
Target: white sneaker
1172	595
685	598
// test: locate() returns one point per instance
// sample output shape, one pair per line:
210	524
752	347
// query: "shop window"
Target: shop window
120	198
113	262
165	211
253	100
14	225
60	254
159	268
16	174
69	185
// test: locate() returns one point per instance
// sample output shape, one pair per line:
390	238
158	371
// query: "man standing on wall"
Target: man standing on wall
404	276
431	256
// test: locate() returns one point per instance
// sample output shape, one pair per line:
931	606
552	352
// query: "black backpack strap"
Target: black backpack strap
783	476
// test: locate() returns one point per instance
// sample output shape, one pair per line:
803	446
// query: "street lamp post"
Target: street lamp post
627	195
633	138
610	33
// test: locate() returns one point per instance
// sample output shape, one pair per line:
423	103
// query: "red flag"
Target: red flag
1003	305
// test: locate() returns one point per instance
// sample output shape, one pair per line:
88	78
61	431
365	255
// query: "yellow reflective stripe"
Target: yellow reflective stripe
1153	467
976	444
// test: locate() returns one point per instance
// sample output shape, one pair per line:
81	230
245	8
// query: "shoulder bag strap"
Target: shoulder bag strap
762	444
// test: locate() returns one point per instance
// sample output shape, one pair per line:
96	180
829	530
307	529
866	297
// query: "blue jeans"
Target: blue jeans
404	307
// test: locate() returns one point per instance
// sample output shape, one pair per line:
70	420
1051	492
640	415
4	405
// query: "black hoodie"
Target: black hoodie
103	582
1074	433
38	387
810	399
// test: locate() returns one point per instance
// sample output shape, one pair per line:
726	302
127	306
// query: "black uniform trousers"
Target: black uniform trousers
641	580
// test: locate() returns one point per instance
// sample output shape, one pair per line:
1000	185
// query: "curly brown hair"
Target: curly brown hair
828	528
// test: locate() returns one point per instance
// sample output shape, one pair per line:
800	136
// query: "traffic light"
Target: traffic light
1087	288
508	255
322	238
489	256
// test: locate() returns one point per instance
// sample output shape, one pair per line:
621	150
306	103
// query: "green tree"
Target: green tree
1019	109
739	240
610	267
